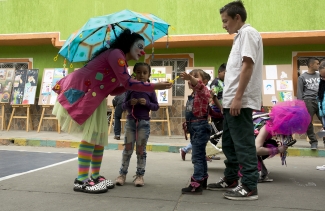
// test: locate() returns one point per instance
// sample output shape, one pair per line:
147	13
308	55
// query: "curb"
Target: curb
154	147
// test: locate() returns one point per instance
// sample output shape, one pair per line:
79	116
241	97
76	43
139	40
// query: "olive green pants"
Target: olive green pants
238	145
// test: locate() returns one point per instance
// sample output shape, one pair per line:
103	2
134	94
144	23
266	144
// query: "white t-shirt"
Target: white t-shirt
248	42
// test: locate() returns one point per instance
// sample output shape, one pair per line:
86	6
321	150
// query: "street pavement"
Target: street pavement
297	186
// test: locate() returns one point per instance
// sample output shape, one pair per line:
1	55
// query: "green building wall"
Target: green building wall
186	16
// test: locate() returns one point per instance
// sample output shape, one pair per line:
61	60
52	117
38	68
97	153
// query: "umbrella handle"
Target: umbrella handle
113	27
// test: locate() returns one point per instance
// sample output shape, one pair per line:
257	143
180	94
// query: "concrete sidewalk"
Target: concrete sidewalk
155	143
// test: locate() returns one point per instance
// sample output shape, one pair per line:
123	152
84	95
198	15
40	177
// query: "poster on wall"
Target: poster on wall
187	90
271	72
24	87
161	74
50	77
277	84
269	87
6	81
284	85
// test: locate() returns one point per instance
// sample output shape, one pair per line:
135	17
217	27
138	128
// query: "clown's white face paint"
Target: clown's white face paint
136	50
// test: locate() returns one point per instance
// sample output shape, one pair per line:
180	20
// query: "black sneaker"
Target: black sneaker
223	184
99	179
241	193
89	187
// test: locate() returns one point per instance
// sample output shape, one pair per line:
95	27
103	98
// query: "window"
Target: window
178	67
17	66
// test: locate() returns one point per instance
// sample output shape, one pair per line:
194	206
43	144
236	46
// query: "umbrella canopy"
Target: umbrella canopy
81	45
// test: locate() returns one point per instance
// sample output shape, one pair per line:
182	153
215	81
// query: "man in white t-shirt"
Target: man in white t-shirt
241	95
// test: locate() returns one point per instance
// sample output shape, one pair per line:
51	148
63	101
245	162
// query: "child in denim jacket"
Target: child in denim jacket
196	114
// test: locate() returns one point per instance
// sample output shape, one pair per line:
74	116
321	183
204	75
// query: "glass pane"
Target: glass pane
179	90
156	63
21	66
181	65
7	65
178	67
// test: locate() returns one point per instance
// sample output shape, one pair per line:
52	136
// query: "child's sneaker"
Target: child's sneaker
223	184
208	159
195	187
138	181
182	153
322	168
109	183
120	180
89	186
241	193
214	157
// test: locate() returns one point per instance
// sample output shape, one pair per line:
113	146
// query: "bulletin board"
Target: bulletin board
158	74
24	87
277	84
50	77
6	81
187	90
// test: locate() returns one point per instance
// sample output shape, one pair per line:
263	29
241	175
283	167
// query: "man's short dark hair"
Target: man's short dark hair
234	8
222	67
311	61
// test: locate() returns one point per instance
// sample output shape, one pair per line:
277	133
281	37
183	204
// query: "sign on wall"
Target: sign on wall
161	74
50	77
6	81
24	87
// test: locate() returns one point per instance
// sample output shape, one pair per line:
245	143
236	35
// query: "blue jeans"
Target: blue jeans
187	148
117	119
135	133
312	108
200	134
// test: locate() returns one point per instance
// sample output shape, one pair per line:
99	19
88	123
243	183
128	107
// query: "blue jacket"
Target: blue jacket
321	111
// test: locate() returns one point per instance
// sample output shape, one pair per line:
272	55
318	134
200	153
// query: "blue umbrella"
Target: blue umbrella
81	45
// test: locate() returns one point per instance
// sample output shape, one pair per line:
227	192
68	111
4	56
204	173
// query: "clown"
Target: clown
81	105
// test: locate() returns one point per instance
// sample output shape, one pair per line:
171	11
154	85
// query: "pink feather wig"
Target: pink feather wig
287	118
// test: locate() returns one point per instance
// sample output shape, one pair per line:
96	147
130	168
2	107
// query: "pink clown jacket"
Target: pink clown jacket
82	91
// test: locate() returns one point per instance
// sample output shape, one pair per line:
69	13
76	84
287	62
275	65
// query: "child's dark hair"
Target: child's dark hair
234	8
141	64
321	88
204	75
222	67
123	41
